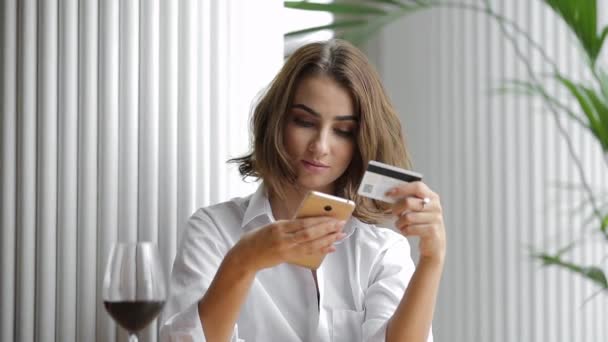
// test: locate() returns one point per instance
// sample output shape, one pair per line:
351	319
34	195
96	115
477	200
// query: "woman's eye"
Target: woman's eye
303	123
345	132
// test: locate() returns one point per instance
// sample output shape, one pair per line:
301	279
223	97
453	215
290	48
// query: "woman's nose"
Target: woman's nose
320	144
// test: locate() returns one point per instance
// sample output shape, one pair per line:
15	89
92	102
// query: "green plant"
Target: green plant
358	21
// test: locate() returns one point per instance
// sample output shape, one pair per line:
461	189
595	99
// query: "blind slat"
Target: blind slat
46	214
149	121
26	171
148	133
108	152
67	197
128	120
168	75
87	296
8	162
186	104
219	99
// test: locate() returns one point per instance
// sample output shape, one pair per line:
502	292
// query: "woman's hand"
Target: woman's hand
419	214
261	248
282	241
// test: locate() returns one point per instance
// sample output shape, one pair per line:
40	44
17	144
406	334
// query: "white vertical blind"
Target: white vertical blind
117	119
186	71
109	29
8	166
67	194
128	101
87	170
26	171
167	217
148	121
204	148
500	165
148	129
46	196
218	91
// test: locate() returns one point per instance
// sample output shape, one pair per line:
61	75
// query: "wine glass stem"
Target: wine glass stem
133	337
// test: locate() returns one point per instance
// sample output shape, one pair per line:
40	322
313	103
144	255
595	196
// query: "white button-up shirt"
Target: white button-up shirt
360	284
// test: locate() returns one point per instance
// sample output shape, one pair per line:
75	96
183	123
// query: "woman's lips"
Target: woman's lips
314	167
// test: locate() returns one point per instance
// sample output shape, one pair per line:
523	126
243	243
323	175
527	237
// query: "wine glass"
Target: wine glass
134	287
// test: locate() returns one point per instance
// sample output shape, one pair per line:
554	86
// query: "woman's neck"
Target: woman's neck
285	208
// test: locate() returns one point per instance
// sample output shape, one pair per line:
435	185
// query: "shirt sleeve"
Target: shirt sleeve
200	254
389	277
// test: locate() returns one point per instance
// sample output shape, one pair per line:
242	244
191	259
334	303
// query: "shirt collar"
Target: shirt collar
258	206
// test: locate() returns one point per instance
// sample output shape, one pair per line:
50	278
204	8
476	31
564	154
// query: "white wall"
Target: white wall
496	161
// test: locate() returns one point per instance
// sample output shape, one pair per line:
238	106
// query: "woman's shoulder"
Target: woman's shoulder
236	205
219	224
219	214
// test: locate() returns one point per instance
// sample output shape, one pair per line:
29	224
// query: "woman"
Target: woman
324	117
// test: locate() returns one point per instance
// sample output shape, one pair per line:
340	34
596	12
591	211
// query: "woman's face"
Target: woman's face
320	132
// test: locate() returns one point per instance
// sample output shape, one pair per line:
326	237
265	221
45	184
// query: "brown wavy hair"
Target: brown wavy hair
378	137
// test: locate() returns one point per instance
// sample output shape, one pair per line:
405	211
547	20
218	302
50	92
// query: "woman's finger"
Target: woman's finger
415	189
416	217
409	204
421	230
298	224
317	231
318	245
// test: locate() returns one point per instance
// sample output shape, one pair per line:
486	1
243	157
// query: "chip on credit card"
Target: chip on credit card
380	178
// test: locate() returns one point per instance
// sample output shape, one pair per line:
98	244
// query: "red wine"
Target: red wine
134	315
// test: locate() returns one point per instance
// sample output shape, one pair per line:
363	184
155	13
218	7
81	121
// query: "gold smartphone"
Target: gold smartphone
319	204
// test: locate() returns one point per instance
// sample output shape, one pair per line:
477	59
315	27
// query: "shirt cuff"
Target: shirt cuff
186	326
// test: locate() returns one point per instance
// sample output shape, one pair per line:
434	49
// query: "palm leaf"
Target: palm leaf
592	273
531	89
581	17
336	8
362	34
590	109
603	37
390	2
333	26
367	19
603	80
601	113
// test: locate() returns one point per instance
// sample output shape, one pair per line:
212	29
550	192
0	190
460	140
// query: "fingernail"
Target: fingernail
391	192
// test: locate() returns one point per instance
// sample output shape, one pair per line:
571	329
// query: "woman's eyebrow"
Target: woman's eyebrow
313	112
